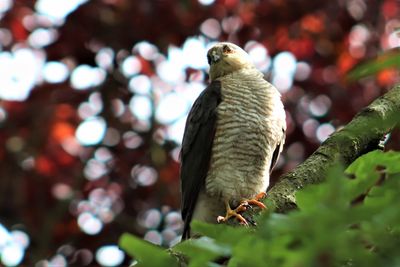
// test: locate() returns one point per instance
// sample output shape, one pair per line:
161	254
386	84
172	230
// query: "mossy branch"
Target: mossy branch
363	134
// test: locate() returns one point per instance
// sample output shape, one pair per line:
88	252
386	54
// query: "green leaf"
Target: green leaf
202	251
147	254
390	59
220	232
327	195
368	169
368	162
250	249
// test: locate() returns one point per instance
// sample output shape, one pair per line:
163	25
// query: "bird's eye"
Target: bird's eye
227	49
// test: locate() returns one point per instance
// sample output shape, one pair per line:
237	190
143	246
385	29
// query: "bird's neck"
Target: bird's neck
227	68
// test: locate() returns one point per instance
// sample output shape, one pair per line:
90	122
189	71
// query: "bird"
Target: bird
234	134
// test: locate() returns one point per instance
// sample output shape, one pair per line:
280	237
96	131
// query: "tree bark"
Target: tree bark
362	135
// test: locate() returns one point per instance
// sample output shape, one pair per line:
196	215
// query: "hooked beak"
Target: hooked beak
213	57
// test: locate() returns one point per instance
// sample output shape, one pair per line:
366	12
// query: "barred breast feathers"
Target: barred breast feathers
249	117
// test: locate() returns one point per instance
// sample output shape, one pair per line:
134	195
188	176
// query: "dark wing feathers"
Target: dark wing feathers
277	151
196	149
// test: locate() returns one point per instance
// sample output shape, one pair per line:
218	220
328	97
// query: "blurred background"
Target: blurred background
94	96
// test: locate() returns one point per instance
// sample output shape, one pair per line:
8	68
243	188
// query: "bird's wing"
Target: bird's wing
196	149
278	150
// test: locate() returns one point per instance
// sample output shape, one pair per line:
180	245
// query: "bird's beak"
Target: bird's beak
213	57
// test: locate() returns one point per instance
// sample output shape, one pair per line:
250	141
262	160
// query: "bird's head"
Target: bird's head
225	58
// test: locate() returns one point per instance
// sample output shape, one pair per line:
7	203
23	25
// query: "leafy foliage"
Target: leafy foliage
352	219
148	254
390	59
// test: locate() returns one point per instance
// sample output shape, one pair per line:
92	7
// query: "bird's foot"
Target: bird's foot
234	213
256	201
244	204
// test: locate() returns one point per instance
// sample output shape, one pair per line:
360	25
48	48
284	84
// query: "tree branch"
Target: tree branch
360	136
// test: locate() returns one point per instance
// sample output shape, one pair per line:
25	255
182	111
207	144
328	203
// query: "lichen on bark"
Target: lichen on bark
358	137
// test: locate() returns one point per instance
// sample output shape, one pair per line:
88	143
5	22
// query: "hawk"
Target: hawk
233	136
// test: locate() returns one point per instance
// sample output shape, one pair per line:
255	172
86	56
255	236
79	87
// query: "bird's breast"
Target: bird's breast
244	140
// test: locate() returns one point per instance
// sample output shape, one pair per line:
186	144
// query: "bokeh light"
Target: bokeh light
5	5
89	223
42	37
19	73
356	8
147	50
211	28
206	2
163	227
154	237
324	131
284	68
140	84
94	169
231	24
62	191
151	219
172	71
5	36
284	63
55	72
130	66
104	58
144	176
303	71
320	105
12	255
394	39
3	115
310	127
57	260
85	77
110	256
57	11
171	108
141	107
195	60
12	246
4	235
258	55
91	131
176	130
132	140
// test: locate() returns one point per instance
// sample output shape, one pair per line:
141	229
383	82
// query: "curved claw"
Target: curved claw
242	207
256	201
234	213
